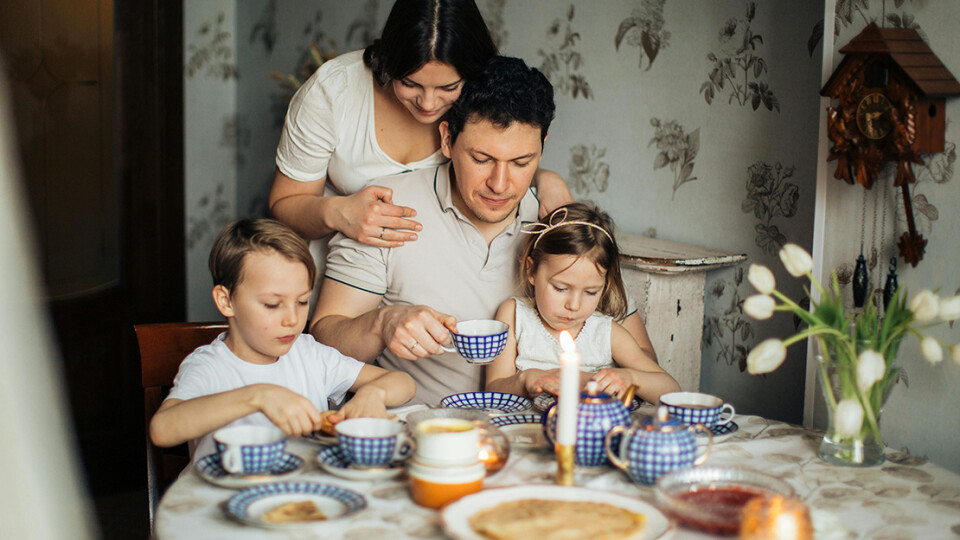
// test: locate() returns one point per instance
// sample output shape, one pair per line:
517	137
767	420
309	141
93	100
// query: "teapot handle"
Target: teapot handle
615	458
700	427
546	427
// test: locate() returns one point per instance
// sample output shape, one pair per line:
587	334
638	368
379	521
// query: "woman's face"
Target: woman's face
429	92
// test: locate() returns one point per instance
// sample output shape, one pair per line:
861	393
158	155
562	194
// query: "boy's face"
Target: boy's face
267	310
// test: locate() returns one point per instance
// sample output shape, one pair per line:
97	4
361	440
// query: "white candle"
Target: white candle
567	403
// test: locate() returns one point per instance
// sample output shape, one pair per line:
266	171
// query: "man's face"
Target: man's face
493	167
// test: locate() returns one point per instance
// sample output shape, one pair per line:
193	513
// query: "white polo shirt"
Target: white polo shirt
449	268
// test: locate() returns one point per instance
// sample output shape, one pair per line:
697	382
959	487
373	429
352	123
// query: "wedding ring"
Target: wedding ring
412	346
382	230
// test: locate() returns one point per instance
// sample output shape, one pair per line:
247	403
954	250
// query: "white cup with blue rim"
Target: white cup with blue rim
250	449
373	442
479	341
698	408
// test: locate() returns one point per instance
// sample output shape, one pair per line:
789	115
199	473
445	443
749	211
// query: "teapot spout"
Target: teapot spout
628	396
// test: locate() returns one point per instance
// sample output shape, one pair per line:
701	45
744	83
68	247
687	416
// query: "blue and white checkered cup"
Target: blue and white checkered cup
697	408
373	442
250	449
479	341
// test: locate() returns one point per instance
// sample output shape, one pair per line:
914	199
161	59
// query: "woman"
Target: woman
361	117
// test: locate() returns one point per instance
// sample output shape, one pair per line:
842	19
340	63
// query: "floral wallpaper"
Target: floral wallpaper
694	121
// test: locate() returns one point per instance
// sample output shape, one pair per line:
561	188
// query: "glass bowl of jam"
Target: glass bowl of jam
711	499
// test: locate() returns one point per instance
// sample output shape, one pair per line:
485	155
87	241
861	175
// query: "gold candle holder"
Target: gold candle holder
564	453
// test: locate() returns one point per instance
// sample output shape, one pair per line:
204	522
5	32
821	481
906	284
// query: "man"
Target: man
396	306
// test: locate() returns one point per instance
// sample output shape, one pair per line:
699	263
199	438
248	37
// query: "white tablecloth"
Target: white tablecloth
904	498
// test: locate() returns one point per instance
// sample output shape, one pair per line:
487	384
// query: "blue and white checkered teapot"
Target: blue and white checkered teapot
655	446
599	412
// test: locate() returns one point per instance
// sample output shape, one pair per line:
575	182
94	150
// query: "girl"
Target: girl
570	279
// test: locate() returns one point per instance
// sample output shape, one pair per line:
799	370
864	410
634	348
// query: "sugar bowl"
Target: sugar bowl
655	446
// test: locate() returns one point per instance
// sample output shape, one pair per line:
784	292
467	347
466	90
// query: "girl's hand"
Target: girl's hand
614	381
288	410
538	381
370	217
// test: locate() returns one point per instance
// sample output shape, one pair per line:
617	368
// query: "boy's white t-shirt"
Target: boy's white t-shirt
311	369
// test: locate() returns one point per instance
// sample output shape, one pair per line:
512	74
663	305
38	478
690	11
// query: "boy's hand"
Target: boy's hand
288	410
613	381
367	402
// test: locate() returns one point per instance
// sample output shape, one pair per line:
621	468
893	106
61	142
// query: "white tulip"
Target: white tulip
870	369
796	260
950	308
761	278
766	357
849	418
759	306
925	305
931	350
955	354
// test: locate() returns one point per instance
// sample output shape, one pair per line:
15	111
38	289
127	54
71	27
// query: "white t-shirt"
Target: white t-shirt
330	128
311	369
537	348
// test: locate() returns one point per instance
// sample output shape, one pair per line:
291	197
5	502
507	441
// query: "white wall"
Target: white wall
210	162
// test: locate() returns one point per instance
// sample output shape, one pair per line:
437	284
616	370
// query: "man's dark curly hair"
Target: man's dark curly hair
507	91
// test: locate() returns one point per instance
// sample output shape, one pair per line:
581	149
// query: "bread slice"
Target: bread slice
293	512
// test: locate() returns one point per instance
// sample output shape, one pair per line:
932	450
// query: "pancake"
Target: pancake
556	520
293	512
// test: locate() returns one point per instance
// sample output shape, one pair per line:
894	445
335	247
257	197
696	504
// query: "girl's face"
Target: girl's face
568	289
429	92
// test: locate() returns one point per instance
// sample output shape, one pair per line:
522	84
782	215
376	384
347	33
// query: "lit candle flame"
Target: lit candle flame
566	342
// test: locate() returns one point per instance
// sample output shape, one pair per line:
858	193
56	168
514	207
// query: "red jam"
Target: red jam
718	509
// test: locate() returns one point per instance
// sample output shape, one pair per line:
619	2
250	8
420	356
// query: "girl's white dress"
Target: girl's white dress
537	349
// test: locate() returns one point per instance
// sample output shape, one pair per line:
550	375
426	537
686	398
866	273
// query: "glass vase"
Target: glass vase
865	448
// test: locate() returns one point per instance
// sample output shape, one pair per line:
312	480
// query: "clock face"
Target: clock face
873	116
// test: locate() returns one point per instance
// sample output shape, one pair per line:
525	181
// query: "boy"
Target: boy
263	369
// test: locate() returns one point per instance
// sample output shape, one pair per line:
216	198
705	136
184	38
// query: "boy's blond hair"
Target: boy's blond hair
245	236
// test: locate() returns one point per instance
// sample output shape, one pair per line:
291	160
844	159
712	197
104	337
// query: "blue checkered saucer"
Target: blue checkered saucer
490	402
249	505
721	433
210	469
332	460
522	430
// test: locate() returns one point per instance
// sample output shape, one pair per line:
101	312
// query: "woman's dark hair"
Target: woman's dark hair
582	230
418	31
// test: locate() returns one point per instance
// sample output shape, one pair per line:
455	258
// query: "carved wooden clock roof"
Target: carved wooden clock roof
908	53
890	89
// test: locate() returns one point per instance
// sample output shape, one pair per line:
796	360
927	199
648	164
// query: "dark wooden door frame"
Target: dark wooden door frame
149	42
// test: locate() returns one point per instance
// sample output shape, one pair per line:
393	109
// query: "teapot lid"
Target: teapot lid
592	394
662	422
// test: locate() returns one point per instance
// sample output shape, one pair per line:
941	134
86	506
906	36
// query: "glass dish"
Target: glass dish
493	449
711	498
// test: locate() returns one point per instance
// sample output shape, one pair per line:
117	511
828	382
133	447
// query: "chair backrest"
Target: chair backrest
163	346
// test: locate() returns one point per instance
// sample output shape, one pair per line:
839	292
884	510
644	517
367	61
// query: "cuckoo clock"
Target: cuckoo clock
890	90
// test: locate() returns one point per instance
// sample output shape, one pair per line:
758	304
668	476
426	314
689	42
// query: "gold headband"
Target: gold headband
540	229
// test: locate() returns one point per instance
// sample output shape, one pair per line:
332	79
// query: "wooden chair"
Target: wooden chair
162	347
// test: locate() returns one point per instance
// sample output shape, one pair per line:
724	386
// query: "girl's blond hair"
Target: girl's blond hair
582	230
